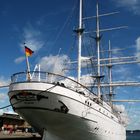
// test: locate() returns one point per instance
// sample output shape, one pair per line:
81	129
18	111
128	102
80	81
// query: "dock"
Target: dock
20	136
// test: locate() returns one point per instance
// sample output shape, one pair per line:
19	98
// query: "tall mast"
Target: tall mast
98	50
110	74
79	32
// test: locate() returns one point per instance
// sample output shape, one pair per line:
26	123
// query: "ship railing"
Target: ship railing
47	77
36	76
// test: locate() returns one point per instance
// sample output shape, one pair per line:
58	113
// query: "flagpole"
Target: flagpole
28	66
28	69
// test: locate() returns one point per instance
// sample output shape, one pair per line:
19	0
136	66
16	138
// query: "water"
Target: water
133	136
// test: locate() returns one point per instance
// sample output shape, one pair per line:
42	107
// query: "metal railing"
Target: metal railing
37	76
47	77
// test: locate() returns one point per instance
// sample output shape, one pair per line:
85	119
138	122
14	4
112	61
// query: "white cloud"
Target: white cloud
119	108
7	111
134	118
123	115
87	79
4	81
32	38
125	73
19	59
3	93
137	45
3	97
1	112
3	100
54	64
130	5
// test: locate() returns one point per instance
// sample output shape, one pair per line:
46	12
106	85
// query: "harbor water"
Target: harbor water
133	137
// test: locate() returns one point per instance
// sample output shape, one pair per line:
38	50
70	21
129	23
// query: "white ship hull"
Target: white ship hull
64	114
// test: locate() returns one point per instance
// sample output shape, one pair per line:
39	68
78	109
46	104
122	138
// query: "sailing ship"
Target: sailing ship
62	108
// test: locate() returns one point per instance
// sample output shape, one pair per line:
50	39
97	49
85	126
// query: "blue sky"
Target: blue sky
46	26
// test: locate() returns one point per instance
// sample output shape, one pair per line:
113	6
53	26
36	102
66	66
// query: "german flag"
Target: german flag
28	51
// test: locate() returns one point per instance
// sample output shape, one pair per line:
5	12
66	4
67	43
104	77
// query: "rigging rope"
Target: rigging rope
64	25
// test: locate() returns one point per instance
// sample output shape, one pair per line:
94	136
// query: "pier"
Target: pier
20	136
